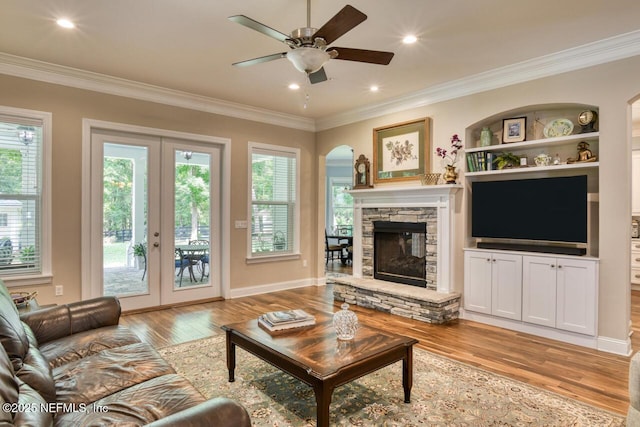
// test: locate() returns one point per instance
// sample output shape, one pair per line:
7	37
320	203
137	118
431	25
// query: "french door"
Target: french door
155	219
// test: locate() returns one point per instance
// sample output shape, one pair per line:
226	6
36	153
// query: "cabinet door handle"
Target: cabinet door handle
559	266
553	266
637	276
637	259
488	259
637	246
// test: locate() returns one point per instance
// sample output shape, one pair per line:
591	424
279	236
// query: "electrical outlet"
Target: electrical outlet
58	290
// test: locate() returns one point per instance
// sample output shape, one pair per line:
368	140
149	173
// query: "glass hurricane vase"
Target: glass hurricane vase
345	323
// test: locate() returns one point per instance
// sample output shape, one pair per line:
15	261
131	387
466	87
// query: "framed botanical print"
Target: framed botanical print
400	151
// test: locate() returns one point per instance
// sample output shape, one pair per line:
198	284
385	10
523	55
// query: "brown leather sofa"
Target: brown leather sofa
73	365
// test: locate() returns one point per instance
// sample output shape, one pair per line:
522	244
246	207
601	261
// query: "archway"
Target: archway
338	204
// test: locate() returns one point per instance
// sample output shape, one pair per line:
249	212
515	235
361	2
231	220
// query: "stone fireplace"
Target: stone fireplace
422	243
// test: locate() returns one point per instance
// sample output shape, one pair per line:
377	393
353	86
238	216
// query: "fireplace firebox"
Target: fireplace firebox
399	252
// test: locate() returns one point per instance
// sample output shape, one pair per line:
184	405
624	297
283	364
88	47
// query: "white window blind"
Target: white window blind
273	201
21	142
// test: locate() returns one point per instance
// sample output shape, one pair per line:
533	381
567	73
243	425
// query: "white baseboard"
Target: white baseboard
615	346
274	287
609	345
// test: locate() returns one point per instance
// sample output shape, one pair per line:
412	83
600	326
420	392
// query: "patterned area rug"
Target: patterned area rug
445	393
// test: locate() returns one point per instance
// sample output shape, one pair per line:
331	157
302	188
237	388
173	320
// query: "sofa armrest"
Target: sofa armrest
219	411
63	320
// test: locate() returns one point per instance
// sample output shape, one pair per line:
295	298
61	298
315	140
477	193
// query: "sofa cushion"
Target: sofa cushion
8	386
35	370
38	414
94	377
137	405
77	346
12	334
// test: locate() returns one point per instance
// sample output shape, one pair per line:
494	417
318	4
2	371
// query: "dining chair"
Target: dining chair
203	258
182	262
331	249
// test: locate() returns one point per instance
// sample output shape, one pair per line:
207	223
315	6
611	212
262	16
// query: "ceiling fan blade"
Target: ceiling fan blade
260	59
363	55
257	26
340	24
318	77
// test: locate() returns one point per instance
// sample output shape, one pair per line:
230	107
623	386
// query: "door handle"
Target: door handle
156	234
156	244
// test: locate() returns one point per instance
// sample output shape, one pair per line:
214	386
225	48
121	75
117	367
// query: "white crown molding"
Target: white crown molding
51	73
588	55
591	54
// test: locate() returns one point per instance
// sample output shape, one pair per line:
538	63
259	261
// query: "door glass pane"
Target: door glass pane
192	253
124	220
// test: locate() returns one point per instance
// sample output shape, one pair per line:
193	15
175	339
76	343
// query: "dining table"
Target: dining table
193	253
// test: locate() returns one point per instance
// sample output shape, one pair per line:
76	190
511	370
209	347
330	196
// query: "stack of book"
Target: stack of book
280	320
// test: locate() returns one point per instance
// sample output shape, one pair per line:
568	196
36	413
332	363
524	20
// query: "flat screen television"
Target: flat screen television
545	209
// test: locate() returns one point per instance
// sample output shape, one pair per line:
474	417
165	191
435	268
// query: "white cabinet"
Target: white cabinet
635	261
576	296
539	290
635	182
560	293
477	281
553	291
493	284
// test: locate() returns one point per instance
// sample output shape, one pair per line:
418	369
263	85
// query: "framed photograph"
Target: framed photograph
514	130
400	151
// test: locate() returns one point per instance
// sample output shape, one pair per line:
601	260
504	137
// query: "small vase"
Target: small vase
345	323
450	174
485	137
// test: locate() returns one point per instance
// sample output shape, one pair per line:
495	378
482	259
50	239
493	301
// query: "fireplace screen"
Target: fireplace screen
399	252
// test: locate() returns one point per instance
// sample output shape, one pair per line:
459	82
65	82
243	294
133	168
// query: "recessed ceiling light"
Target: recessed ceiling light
294	86
374	88
409	39
65	23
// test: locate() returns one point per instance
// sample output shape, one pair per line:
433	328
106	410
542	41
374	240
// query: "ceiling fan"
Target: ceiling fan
310	46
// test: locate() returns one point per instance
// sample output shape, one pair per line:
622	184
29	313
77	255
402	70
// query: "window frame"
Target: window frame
253	148
45	275
336	181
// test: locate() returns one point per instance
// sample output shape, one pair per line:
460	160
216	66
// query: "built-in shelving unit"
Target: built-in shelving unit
548	294
531	148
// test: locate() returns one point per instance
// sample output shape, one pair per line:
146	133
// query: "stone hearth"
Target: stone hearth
407	301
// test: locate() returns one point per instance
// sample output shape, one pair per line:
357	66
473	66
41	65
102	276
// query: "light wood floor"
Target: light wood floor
590	376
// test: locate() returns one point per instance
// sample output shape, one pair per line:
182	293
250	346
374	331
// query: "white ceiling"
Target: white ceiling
189	45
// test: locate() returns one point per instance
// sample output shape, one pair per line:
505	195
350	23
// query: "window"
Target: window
341	208
24	203
274	208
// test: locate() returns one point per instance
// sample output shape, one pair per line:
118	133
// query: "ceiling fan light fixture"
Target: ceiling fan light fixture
308	59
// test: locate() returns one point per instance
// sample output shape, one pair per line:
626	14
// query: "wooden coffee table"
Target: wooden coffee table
315	356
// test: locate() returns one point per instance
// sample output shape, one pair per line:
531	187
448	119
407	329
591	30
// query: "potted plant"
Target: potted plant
28	254
140	252
450	158
279	242
506	160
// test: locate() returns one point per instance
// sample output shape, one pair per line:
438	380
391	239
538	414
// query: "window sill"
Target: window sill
272	258
15	281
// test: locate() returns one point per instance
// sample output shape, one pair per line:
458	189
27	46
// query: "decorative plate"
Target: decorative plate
558	127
